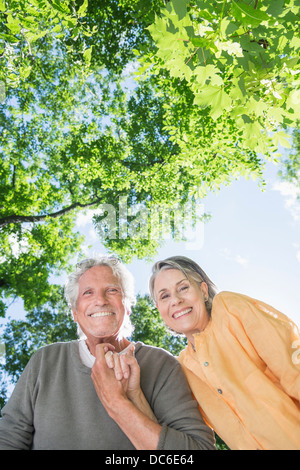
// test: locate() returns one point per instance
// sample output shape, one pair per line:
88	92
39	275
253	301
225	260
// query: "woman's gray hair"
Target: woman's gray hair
191	271
119	270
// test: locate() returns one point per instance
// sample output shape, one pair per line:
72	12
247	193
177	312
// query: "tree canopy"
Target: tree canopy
59	143
240	60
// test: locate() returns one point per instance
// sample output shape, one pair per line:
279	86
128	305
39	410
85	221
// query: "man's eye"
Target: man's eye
87	292
113	291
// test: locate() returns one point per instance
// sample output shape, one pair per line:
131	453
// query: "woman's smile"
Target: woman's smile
179	314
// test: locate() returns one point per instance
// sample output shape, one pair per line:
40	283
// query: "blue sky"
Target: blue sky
251	244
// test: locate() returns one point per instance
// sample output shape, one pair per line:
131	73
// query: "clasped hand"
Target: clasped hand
116	379
126	370
115	376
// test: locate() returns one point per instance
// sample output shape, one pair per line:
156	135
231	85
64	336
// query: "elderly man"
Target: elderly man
94	393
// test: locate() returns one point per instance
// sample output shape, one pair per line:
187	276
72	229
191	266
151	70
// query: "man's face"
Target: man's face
99	309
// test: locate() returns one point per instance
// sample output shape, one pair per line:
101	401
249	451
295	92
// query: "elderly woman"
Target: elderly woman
240	360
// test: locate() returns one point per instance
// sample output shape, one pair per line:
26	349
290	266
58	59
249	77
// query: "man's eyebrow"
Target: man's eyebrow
179	282
108	286
85	288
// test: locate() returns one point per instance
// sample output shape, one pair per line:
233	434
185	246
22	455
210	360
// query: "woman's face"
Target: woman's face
181	302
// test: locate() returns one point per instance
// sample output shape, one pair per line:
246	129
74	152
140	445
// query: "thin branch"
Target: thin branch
203	56
19	219
14	177
192	55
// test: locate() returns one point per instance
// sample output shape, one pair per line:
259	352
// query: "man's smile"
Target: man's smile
101	314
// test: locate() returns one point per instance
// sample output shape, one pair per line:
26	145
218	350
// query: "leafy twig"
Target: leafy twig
192	55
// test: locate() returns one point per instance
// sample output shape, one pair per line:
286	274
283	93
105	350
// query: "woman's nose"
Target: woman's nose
176	299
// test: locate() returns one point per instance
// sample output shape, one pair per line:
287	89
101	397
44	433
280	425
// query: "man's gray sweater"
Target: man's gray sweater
55	406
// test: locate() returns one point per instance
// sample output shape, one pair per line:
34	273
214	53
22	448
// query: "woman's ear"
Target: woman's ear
204	290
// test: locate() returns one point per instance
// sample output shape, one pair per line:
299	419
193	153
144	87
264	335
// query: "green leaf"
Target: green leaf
248	15
88	55
227	27
60	6
199	42
281	138
293	101
158	28
257	106
25	72
178	7
276	7
13	24
210	73
57	28
215	97
82	10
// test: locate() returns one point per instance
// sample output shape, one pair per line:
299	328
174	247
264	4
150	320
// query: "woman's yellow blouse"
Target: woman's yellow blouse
245	374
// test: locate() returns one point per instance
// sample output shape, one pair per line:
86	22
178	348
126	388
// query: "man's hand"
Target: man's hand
109	389
126	370
144	433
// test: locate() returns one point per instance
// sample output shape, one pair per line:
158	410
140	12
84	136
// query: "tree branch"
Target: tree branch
19	219
14	177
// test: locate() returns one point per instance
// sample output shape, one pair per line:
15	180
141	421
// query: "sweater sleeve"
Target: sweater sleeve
16	425
183	427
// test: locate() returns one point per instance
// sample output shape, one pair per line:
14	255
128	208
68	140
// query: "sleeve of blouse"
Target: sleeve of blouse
275	337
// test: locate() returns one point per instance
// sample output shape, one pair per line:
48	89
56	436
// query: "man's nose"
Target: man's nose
100	298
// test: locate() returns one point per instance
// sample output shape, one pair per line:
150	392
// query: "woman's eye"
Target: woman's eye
184	288
164	296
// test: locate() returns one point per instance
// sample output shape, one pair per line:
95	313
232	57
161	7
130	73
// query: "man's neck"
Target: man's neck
118	344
